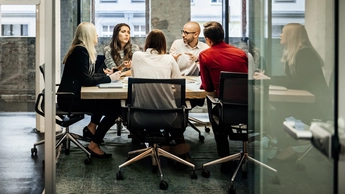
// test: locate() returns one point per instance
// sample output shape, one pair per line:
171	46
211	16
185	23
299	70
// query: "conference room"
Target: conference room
295	132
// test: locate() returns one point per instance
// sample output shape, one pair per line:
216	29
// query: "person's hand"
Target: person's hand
126	73
176	56
192	57
115	76
108	71
259	74
125	64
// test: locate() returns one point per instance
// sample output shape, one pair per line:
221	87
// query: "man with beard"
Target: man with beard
186	50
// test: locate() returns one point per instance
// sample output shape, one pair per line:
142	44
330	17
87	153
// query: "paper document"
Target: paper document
274	87
193	84
114	84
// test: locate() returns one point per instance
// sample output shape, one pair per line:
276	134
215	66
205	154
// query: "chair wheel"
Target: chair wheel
275	180
207	129
163	185
87	161
201	138
232	189
33	151
194	175
119	175
205	173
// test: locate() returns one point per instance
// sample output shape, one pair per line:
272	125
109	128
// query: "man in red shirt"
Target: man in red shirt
219	57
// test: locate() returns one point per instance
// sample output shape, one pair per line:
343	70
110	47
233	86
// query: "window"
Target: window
216	1
107	30
130	12
285	1
14	30
108	1
277	30
139	30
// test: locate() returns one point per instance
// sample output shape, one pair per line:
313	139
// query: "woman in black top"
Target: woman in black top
303	71
79	70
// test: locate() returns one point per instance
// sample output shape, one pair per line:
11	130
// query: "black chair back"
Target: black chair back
233	95
155	104
100	63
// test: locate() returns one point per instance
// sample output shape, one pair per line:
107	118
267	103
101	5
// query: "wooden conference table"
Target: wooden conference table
193	92
93	92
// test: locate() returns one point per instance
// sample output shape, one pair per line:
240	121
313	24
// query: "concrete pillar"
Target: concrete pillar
170	19
320	28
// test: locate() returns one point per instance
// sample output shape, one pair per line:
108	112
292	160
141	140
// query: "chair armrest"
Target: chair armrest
188	105
38	105
71	103
123	104
211	102
212	99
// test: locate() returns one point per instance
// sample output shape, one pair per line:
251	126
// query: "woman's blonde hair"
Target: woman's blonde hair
85	35
296	37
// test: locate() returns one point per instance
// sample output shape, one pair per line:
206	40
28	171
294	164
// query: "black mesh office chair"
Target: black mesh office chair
64	119
150	119
192	120
232	103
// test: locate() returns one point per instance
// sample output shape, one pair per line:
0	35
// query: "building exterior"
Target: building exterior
20	20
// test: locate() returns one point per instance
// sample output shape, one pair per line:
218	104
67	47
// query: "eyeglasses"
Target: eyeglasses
186	33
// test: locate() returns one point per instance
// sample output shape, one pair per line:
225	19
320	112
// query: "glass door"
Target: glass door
294	45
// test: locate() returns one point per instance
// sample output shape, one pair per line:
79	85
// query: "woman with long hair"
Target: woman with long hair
303	71
118	54
79	70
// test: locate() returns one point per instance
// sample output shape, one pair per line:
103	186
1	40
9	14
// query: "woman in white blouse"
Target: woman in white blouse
154	62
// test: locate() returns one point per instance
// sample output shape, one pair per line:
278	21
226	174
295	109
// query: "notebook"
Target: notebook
274	87
114	84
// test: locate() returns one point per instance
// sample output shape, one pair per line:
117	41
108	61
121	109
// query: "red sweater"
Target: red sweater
220	57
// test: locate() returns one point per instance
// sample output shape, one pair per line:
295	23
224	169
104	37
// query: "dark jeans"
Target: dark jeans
221	138
103	113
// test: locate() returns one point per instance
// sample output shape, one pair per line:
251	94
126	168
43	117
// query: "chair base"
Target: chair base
67	137
155	152
244	158
201	137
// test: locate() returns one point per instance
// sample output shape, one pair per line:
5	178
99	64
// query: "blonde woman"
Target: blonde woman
303	71
79	71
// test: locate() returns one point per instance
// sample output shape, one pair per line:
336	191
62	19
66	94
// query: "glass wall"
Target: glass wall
287	41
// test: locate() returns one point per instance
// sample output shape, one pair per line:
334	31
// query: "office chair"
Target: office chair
232	105
152	122
64	119
99	66
195	120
